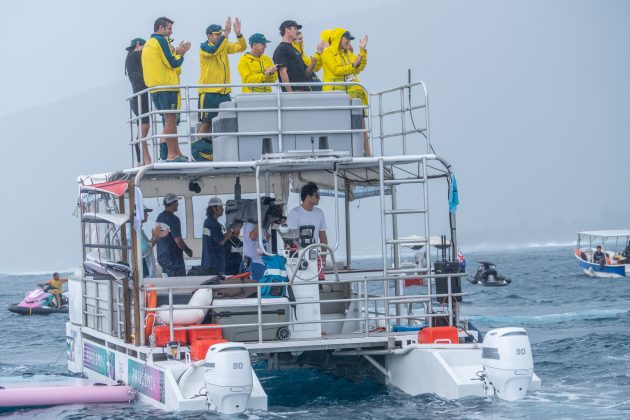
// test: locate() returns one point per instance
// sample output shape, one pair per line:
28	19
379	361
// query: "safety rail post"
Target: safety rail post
402	120
138	338
425	189
259	302
380	123
170	314
381	180
189	123
366	307
279	104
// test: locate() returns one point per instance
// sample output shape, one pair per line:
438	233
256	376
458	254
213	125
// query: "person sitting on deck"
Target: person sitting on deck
599	257
56	284
256	67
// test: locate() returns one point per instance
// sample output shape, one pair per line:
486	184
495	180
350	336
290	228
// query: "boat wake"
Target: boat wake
589	314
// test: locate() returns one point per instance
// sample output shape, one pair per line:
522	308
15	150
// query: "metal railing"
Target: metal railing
189	111
367	316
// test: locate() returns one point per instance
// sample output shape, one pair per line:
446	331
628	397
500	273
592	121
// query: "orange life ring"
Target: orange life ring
149	319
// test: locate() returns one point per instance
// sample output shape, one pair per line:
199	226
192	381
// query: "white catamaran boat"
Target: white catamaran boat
615	248
183	344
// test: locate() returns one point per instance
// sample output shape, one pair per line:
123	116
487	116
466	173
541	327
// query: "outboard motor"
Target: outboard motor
507	362
228	378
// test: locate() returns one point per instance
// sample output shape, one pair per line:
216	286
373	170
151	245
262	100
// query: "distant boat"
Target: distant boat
614	260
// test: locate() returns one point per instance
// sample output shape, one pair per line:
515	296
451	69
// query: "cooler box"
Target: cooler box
205	334
245	311
163	336
438	335
199	348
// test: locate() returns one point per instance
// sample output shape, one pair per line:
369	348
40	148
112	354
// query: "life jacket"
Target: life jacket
275	272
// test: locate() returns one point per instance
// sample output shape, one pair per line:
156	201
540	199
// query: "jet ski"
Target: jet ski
40	302
487	275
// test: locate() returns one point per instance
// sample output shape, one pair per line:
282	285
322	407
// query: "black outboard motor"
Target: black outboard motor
441	285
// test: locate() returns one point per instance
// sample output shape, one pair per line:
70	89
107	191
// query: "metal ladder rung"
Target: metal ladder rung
404	181
406	211
407	241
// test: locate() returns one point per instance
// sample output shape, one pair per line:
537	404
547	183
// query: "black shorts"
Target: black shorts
144	104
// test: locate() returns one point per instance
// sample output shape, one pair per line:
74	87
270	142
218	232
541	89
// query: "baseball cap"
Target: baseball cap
213	29
215	201
288	24
348	35
170	198
135	42
258	39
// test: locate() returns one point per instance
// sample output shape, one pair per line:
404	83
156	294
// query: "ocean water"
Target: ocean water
579	328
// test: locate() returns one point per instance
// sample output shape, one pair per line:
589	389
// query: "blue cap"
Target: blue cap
258	39
213	29
348	35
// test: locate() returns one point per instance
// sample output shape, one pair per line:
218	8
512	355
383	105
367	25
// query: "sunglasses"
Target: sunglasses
315	194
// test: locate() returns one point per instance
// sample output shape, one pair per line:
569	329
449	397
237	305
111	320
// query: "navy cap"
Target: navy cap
258	39
135	42
348	35
288	24
213	29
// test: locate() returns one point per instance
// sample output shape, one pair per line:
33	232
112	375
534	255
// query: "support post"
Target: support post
134	267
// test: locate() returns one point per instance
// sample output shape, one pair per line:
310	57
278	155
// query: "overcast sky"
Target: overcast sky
529	101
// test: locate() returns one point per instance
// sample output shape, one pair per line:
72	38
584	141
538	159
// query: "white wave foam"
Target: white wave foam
68	271
550	318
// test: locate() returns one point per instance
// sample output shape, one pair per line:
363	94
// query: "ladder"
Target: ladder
393	241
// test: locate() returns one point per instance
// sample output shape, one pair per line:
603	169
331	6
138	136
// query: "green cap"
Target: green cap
258	39
213	29
135	42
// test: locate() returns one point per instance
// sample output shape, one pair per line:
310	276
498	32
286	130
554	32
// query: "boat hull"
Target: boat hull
607	271
37	310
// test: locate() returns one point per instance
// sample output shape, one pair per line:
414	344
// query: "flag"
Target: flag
453	196
461	260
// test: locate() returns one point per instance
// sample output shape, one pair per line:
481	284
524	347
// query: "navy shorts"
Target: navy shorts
166	100
210	101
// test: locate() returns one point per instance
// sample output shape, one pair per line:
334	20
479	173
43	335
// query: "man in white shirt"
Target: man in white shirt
308	214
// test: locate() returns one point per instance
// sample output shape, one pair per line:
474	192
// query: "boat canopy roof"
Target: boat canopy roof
606	233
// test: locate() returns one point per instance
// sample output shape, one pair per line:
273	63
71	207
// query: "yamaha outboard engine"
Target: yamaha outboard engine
507	362
228	378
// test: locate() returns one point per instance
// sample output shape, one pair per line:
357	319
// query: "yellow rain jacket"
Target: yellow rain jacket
215	65
160	66
252	70
338	67
307	59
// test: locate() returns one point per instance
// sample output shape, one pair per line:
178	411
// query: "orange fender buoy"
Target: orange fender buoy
149	319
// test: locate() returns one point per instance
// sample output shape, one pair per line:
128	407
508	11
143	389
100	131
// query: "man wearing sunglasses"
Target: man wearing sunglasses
307	214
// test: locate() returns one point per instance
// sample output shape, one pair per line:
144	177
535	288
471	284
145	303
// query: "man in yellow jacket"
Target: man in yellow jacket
215	68
256	67
161	65
342	65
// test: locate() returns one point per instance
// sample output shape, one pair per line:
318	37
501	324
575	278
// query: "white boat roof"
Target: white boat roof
606	233
116	219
